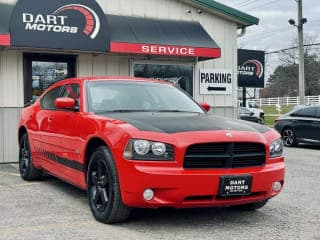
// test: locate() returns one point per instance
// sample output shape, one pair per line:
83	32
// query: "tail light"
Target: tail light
276	119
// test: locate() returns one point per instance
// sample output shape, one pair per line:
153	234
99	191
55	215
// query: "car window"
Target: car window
318	112
306	112
47	102
71	91
137	96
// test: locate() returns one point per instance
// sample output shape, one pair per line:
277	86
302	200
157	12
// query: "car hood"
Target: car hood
183	122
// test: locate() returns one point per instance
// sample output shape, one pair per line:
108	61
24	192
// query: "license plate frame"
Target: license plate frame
235	185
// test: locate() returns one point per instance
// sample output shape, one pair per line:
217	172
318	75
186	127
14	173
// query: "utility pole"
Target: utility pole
301	21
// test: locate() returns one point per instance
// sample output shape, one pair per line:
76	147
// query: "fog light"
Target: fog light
277	186
148	194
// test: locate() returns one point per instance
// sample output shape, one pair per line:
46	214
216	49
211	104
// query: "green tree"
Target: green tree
284	80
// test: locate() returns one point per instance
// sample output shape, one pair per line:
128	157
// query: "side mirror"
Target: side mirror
65	103
205	106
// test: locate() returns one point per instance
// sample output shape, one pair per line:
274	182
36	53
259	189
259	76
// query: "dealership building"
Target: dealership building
191	43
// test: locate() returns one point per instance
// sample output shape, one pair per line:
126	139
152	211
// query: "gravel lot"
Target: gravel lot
51	209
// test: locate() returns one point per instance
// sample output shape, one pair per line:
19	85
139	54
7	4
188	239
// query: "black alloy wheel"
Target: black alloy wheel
100	185
103	188
27	171
289	138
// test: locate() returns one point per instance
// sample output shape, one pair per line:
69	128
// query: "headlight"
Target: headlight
141	147
138	149
276	148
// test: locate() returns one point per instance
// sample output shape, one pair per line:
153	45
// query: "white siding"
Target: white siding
9	118
11	101
89	64
11	79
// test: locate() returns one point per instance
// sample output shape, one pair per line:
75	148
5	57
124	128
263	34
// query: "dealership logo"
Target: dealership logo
56	22
251	68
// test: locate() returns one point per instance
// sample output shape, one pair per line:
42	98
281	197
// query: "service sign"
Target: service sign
215	81
251	68
59	24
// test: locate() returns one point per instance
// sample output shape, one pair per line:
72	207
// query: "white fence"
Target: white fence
310	100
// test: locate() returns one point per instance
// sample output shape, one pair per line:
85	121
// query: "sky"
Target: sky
273	31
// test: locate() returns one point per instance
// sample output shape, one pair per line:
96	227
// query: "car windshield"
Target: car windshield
126	96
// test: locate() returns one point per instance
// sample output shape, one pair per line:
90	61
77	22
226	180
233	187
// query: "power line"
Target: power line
265	4
268	32
245	3
290	48
267	35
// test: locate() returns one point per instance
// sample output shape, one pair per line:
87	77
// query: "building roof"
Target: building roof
241	18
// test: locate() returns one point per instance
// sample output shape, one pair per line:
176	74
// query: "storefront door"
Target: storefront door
42	70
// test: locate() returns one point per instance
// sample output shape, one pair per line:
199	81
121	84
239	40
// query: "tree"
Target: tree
284	80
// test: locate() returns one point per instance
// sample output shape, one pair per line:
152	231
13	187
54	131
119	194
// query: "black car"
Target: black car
302	125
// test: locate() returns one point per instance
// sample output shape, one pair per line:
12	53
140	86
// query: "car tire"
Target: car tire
261	120
27	170
103	188
251	206
289	137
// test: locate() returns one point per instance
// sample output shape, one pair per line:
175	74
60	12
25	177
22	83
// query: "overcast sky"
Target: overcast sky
274	32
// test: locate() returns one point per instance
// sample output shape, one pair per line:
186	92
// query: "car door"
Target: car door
65	143
41	138
316	124
305	127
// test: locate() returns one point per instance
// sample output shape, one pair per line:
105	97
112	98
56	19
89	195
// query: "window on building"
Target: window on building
42	70
180	75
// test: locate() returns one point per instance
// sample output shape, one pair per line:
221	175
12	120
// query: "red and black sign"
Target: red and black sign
60	24
251	68
82	25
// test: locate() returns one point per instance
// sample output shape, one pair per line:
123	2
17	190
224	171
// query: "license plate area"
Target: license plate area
235	185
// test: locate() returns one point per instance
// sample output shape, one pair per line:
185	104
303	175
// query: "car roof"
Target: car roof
299	107
111	78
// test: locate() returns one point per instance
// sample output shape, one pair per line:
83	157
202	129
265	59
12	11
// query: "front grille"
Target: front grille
224	155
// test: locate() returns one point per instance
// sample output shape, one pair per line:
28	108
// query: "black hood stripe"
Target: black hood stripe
184	122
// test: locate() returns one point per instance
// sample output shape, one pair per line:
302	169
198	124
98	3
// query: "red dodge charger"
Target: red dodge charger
139	143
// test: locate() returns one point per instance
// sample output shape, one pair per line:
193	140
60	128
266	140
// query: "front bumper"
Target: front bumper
176	187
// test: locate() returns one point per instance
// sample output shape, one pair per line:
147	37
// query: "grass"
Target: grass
270	113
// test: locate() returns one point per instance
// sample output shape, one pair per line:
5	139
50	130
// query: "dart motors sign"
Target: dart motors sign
60	24
216	81
251	68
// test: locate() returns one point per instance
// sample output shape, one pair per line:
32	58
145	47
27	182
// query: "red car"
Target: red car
140	143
